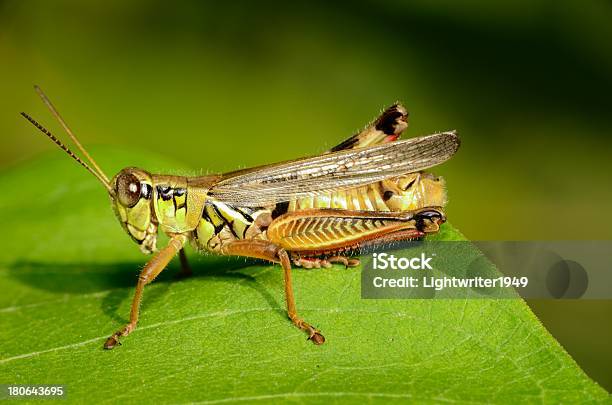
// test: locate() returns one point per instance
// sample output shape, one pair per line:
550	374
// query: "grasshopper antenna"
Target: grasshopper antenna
59	118
59	143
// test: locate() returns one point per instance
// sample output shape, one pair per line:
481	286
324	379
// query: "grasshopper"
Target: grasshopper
369	190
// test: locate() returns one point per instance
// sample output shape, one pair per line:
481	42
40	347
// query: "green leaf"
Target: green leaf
67	273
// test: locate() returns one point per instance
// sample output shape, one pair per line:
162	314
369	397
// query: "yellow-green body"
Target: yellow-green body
183	205
180	205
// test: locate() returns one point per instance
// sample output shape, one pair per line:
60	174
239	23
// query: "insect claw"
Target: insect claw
317	338
112	342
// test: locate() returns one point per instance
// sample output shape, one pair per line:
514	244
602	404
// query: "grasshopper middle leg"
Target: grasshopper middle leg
185	267
147	275
260	249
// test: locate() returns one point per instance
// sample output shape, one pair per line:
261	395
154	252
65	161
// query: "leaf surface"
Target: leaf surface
67	274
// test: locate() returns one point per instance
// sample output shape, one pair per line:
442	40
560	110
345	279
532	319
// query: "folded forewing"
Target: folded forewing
306	177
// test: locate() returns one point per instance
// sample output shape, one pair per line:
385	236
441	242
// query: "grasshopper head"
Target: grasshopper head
130	190
131	194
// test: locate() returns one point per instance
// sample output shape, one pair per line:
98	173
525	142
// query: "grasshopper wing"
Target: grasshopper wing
285	181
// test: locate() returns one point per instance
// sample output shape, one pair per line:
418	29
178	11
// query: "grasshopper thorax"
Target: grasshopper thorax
131	196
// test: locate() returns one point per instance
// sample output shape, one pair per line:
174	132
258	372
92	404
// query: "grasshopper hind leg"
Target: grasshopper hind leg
261	249
386	128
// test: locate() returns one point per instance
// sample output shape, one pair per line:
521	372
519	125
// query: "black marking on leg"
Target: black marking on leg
419	223
429	215
392	121
346	144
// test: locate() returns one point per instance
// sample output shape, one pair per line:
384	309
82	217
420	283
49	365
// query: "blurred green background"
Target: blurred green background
233	84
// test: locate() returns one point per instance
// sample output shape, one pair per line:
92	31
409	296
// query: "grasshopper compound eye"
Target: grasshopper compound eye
128	189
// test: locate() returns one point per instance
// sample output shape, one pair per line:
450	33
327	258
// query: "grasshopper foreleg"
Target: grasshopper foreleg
261	249
147	275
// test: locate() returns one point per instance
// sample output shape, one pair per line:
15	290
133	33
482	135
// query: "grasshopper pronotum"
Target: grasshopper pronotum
312	212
